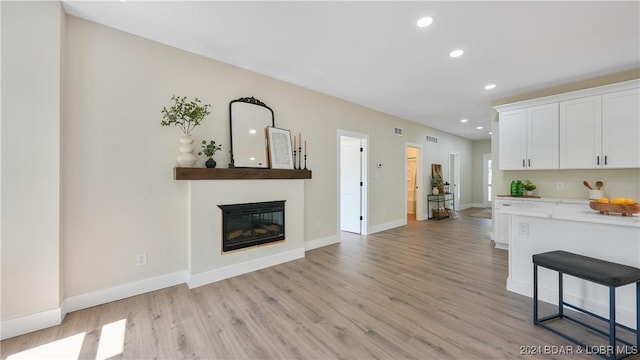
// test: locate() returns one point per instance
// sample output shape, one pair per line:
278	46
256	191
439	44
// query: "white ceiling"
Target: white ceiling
373	54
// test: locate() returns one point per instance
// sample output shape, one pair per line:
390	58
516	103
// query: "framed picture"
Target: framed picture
280	152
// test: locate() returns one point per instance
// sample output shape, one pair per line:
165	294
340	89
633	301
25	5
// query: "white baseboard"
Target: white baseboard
32	322
226	272
387	226
501	246
318	243
104	296
45	319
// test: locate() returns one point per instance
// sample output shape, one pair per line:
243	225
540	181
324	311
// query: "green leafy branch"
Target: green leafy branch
183	114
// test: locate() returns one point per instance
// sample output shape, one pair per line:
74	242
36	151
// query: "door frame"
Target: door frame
364	175
454	167
419	183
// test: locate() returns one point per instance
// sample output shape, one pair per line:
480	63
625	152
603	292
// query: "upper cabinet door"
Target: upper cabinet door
529	138
542	137
512	126
581	133
621	129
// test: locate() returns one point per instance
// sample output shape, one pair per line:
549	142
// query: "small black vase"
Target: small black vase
210	163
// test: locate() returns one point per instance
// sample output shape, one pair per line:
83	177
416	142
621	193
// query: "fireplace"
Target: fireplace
251	224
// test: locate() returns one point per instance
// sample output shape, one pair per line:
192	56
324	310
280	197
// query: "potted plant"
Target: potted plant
186	115
529	187
208	150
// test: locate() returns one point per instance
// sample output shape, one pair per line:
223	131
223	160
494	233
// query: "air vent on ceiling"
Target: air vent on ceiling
432	139
398	131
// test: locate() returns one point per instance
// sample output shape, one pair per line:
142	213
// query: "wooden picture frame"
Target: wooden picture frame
280	148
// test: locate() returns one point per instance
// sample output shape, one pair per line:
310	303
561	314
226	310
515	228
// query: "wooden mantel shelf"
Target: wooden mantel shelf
188	173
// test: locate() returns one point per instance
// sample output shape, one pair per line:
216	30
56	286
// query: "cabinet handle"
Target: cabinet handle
523	165
605	159
529	160
598	160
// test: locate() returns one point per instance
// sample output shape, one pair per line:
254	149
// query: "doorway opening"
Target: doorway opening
413	188
352	184
486	180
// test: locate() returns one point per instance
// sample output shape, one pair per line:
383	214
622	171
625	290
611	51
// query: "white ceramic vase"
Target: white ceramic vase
186	157
435	191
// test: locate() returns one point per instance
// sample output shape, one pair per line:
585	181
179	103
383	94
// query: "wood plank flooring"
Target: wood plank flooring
428	290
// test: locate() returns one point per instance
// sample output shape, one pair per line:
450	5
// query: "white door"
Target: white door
542	137
487	180
581	133
350	184
620	129
454	177
513	139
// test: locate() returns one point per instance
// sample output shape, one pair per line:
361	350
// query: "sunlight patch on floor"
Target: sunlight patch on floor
67	348
111	343
111	339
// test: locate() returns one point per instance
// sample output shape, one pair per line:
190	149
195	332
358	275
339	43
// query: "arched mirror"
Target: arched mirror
249	117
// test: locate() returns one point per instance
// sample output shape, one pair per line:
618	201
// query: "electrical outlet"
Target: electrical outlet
141	259
559	185
523	228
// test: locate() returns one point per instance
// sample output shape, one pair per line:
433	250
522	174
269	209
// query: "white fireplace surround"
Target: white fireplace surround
207	263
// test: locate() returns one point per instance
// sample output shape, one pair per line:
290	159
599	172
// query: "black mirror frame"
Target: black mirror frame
249	100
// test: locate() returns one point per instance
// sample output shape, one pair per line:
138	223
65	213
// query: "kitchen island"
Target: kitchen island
540	225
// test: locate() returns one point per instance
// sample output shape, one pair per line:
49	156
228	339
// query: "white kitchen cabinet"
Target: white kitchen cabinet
501	222
594	128
529	138
581	133
621	129
601	131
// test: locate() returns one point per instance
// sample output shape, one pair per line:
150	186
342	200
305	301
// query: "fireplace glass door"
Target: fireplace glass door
251	224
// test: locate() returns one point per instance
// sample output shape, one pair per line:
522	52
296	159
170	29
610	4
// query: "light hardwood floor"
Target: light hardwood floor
428	290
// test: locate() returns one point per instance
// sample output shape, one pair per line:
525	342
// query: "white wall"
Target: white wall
119	198
31	99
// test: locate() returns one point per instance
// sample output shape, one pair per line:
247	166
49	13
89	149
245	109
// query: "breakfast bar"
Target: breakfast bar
538	226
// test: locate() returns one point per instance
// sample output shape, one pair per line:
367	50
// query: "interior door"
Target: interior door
454	177
350	184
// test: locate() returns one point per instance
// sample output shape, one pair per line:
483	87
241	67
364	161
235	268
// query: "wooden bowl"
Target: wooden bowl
624	209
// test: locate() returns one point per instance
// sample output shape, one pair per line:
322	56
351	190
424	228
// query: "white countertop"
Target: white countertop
569	209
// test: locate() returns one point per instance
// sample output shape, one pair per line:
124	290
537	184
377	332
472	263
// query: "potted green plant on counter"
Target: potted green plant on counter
529	187
209	150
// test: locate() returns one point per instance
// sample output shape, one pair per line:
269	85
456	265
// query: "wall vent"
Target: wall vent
398	131
432	139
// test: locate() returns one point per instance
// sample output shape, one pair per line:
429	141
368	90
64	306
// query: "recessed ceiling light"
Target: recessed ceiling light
456	53
464	120
490	133
424	22
478	127
490	86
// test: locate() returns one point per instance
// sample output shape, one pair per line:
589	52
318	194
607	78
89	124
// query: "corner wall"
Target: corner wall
31	97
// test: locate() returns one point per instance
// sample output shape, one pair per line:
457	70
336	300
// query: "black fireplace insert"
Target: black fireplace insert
251	224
